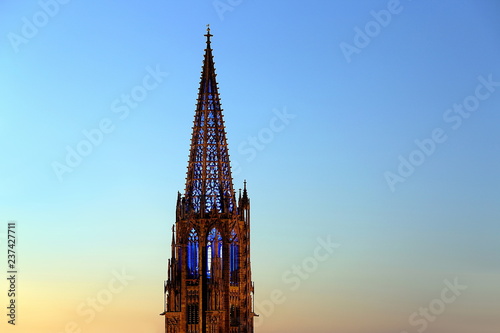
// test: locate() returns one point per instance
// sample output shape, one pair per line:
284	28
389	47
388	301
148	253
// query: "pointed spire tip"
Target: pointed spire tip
208	35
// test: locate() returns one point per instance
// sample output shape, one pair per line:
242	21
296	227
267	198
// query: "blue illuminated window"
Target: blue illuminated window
214	249
234	251
192	255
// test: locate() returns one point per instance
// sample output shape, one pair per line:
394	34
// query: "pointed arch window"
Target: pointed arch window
214	251
234	315
192	255
234	258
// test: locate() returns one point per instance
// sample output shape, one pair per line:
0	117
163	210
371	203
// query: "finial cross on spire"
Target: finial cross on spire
208	35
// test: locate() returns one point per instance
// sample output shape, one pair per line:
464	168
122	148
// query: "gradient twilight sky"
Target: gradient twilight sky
319	173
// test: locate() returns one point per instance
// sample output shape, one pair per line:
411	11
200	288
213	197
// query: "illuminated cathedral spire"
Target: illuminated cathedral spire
209	287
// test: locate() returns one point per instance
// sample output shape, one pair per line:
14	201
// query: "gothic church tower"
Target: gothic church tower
209	287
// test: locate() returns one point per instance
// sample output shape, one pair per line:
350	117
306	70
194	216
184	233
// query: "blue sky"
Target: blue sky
313	129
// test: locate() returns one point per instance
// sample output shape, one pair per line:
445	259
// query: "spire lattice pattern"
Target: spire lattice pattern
209	182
